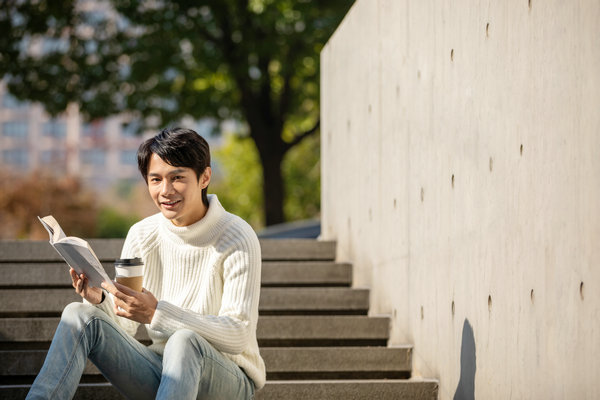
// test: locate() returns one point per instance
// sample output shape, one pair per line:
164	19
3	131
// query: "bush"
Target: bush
24	198
113	224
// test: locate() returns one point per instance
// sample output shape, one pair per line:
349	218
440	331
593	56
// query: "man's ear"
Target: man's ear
205	178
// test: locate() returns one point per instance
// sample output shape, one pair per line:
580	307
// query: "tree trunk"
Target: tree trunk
273	188
266	133
265	130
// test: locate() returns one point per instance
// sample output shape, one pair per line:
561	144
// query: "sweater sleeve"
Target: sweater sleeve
231	330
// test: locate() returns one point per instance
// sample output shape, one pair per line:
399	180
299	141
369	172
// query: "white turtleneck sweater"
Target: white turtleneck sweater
206	277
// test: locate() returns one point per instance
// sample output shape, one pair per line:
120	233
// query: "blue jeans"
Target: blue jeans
190	367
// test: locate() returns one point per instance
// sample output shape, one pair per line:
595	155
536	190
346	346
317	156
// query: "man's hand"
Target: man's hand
136	306
81	285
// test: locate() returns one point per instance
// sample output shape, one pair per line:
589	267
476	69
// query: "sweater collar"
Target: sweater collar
202	230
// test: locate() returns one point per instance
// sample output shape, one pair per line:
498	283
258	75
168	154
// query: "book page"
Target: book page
76	252
53	228
82	260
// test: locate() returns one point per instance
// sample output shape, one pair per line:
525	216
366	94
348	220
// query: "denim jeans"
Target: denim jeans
190	367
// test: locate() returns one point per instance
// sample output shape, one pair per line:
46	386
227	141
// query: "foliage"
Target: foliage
168	58
237	179
113	224
24	198
78	210
252	60
302	177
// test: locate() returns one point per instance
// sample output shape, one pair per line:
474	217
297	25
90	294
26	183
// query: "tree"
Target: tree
256	61
237	178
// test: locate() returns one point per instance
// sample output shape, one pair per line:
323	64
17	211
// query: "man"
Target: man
199	304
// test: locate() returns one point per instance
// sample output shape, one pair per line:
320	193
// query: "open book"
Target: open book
76	252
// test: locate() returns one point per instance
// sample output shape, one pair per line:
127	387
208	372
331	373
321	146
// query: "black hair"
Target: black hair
178	147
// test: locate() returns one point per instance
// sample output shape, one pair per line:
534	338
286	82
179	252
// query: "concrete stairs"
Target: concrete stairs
314	332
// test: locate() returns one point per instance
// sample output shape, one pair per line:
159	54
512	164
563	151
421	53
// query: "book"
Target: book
76	252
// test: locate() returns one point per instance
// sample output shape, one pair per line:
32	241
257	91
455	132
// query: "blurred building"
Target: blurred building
100	153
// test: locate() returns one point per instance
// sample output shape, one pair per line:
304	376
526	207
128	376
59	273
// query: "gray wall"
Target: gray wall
461	176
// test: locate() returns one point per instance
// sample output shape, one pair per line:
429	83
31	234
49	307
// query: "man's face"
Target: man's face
176	191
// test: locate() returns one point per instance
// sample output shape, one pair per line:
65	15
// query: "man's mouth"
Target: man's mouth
169	204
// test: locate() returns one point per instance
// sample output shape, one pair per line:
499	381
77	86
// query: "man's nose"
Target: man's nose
166	187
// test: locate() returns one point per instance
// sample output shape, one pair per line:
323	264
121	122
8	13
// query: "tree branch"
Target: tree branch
299	138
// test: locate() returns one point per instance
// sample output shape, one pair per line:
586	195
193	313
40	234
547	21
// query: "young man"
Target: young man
199	304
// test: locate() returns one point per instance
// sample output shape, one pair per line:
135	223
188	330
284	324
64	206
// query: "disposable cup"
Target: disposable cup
130	272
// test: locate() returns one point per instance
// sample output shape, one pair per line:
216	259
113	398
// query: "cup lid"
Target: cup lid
129	262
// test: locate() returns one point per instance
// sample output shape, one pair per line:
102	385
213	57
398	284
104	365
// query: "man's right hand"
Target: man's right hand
81	285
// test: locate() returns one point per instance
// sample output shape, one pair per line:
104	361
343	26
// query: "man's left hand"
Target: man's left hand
136	306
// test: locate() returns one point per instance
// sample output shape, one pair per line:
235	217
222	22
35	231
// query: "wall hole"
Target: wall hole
395	203
521	150
491	164
487	30
490	303
532	296
452	181
453	308
581	290
452	55
422	195
529	4
422	313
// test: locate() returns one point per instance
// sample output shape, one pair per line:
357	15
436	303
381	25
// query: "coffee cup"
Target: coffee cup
130	272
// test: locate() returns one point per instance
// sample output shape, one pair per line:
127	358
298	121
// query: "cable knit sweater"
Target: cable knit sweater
206	277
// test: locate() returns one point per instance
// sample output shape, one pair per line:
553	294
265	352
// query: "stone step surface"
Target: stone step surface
45	302
271	330
281	362
109	249
315	336
389	389
306	273
274	273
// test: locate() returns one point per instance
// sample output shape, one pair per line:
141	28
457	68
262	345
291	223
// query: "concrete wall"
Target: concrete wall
461	176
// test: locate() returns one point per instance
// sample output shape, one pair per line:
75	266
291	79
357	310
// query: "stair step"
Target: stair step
48	302
314	301
389	389
271	331
297	249
337	362
290	390
306	273
110	249
281	363
274	273
323	330
41	250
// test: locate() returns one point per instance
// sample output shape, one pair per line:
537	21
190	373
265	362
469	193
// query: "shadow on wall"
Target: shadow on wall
468	365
